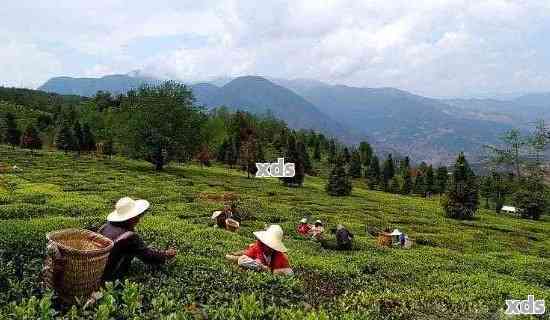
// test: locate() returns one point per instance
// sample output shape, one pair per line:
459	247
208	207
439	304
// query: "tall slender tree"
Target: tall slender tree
355	168
366	152
12	134
339	182
373	172
292	155
388	172
462	199
441	179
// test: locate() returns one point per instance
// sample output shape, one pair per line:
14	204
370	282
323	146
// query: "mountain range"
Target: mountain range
426	129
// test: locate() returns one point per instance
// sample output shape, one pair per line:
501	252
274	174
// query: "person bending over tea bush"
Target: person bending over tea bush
120	228
267	254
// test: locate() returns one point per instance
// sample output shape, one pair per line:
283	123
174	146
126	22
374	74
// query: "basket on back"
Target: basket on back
384	239
75	262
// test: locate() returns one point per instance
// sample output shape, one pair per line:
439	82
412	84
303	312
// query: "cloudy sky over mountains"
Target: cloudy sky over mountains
435	48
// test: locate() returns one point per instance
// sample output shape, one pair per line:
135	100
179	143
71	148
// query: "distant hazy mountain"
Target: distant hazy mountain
424	128
88	87
259	95
414	125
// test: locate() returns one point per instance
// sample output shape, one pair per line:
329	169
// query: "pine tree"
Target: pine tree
462	199
13	134
78	137
31	139
88	139
355	169
317	150
365	150
109	148
405	166
339	182
232	154
430	180
441	179
373	172
302	150
292	155
346	155
388	172
65	140
222	150
332	152
407	186
420	184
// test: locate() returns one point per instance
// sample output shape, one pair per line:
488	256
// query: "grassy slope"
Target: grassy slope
463	269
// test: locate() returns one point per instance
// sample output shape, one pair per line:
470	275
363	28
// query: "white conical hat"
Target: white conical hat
127	208
396	232
272	237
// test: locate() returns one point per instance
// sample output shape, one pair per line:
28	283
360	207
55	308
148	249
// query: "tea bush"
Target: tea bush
456	270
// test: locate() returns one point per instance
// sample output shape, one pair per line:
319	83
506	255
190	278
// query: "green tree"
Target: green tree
78	137
292	155
12	133
355	168
302	150
31	139
531	198
442	176
405	165
430	180
162	124
366	153
88	139
65	140
407	186
346	155
109	148
461	200
317	150
388	172
373	172
420	184
332	154
339	182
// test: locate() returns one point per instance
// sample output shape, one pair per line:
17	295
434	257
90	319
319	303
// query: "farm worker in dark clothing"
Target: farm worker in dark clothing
343	238
120	228
304	228
268	253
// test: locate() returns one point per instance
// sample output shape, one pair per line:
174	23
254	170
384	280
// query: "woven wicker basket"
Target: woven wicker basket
384	239
75	262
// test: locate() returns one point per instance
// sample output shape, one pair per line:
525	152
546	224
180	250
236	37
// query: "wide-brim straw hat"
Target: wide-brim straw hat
304	220
128	208
216	214
396	232
272	237
318	222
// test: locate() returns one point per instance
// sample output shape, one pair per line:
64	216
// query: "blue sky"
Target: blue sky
438	48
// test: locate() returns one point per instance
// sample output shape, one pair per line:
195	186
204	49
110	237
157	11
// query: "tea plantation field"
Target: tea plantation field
456	270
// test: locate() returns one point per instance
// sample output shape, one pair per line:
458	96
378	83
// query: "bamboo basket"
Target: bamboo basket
75	262
232	225
384	239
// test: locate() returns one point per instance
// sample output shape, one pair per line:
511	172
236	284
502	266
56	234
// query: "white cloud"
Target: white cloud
439	48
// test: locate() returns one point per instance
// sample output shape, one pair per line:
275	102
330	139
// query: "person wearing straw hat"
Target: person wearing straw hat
268	253
318	230
396	234
304	228
120	228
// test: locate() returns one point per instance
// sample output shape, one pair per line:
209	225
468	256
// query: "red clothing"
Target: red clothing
304	229
279	260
